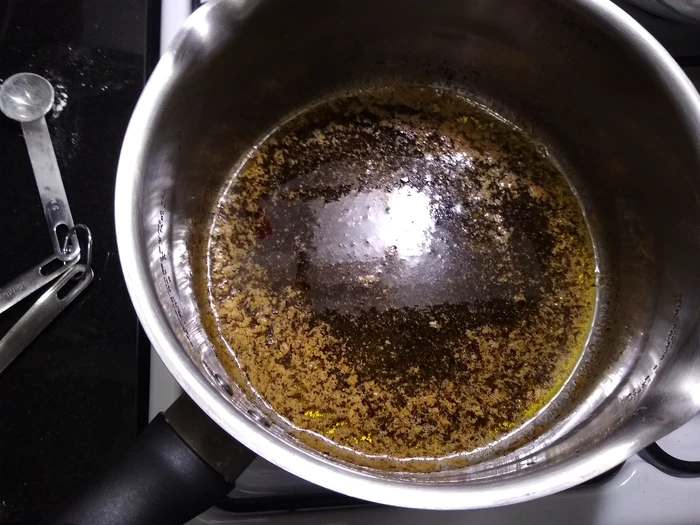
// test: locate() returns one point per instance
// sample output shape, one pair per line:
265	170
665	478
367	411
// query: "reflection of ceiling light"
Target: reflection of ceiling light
200	23
372	225
406	222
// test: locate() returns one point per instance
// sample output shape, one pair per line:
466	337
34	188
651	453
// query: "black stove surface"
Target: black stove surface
76	396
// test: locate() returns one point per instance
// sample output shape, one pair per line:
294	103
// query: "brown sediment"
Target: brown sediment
399	273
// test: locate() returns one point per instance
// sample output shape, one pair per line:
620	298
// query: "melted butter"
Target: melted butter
399	275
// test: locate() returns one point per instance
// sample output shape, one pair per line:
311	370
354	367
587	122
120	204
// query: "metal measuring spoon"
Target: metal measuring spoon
26	98
57	297
45	310
32	280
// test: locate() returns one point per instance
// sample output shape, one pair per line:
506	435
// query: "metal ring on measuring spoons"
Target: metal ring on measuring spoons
88	256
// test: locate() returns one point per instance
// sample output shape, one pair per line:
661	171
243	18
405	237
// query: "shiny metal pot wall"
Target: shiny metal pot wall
680	10
615	109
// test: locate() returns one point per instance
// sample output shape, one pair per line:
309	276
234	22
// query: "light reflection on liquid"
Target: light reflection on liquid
407	242
399	222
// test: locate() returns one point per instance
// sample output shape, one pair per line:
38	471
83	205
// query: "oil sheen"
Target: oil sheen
399	274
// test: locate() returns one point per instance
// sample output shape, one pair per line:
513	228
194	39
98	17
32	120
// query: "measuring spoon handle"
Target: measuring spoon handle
48	180
30	281
45	310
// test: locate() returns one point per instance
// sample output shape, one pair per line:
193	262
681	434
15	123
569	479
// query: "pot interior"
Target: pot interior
558	70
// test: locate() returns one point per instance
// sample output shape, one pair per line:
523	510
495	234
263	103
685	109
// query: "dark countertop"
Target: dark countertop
77	395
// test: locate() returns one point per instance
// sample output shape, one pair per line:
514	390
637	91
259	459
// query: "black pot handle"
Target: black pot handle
181	465
668	464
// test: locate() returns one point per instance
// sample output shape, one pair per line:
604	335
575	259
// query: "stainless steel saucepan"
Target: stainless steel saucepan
620	115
